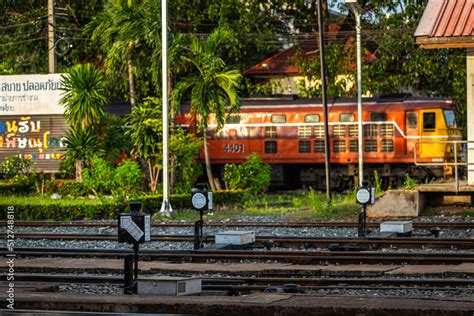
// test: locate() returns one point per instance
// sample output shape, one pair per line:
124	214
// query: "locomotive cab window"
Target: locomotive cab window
346	117
429	120
378	116
450	119
311	118
278	118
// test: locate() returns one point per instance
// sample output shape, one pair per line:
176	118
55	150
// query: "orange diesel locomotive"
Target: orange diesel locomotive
289	135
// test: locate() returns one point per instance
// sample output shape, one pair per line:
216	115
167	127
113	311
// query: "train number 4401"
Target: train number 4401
234	148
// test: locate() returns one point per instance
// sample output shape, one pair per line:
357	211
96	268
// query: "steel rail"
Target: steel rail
311	282
342	224
297	257
287	241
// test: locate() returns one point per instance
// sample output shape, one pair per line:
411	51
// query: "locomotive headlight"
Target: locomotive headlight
232	133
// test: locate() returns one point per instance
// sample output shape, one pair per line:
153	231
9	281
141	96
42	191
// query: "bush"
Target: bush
71	188
35	208
15	165
99	177
253	175
42	208
127	178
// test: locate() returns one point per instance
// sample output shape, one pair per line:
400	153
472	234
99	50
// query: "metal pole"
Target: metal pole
324	100
52	61
359	96
165	207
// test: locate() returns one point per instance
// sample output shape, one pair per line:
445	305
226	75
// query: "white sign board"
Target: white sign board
30	94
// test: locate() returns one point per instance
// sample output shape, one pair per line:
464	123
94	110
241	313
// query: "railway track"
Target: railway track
261	283
416	225
288	242
296	257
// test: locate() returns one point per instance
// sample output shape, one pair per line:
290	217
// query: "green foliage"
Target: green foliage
253	175
145	135
66	188
37	208
81	144
378	184
409	182
184	148
84	96
15	165
99	177
127	178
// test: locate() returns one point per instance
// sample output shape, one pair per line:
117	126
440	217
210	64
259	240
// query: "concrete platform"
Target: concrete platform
256	304
45	265
435	194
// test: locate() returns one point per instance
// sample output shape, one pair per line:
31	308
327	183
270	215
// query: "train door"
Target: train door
411	132
430	134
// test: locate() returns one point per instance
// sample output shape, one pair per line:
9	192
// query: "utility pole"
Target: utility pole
357	9
53	63
324	100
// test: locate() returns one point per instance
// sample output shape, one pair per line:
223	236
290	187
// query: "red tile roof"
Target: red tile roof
285	63
447	23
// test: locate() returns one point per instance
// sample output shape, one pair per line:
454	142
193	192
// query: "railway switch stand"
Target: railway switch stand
364	196
201	200
133	228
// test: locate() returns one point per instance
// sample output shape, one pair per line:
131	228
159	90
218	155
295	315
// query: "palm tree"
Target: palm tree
84	96
212	87
84	99
129	32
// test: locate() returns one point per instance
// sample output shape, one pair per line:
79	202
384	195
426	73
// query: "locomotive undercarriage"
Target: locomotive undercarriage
345	177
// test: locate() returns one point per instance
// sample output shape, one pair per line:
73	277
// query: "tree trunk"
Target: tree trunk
210	176
131	82
79	167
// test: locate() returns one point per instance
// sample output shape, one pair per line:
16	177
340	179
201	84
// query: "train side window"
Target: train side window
412	120
429	120
270	132
370	130
311	118
319	146
339	131
378	116
271	147
233	119
304	131
370	145
278	118
339	146
346	117
387	145
353	146
319	131
304	146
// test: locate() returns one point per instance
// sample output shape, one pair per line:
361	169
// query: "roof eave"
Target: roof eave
446	42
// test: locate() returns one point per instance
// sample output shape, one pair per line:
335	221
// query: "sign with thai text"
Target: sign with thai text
30	94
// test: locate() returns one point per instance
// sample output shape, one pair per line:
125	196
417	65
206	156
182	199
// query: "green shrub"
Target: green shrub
64	188
44	208
15	165
253	175
36	208
409	182
127	178
99	177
